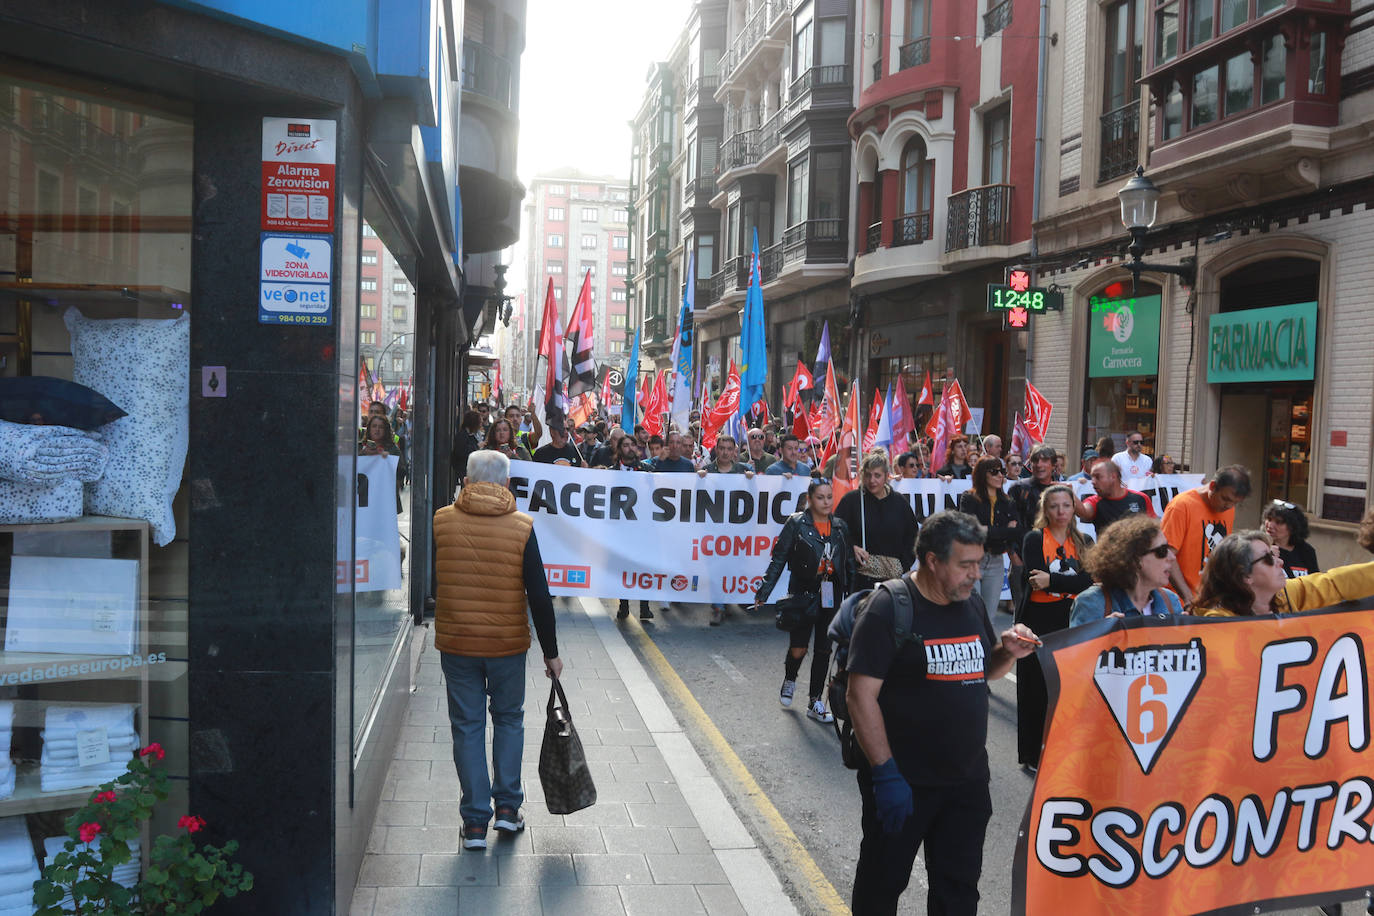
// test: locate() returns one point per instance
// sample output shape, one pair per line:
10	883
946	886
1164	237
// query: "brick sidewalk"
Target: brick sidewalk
642	847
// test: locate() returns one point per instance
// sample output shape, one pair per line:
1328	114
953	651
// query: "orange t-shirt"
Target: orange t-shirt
1193	529
1057	559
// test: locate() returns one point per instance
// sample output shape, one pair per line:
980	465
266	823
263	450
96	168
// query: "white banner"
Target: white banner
680	537
377	536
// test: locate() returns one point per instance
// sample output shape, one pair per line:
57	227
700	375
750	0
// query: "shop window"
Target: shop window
1121	396
96	203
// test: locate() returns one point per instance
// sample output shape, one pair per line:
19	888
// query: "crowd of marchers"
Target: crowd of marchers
911	603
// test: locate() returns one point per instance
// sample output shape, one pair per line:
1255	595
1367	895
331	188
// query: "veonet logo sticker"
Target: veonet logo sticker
1148	689
568	576
297	130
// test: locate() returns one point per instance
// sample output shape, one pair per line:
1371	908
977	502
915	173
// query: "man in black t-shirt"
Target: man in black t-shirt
561	450
920	714
1112	501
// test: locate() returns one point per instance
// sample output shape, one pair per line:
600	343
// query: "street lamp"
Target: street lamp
1139	208
388	347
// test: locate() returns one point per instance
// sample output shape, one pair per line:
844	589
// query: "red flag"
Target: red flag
496	388
801	381
827	419
958	407
801	428
927	393
727	405
759	414
875	416
846	469
581	332
902	420
364	389
605	387
657	406
551	400
1037	413
1021	441
945	430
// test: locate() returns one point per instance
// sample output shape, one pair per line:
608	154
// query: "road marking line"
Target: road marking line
730	670
798	865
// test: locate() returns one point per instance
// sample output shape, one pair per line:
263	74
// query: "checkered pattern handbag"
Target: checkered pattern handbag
563	769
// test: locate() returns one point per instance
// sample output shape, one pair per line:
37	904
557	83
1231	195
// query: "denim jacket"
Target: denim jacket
1093	604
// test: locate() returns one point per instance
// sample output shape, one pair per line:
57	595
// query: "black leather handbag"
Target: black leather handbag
563	772
791	611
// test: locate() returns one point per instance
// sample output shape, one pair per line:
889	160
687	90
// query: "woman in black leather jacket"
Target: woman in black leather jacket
995	512
819	555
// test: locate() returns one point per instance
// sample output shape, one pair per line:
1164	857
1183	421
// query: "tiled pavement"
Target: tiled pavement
645	847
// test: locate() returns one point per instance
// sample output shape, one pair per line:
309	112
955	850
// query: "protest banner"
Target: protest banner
1192	765
680	537
376	536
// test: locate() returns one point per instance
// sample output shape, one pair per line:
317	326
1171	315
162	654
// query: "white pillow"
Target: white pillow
142	365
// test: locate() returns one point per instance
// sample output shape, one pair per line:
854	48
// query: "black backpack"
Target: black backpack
841	629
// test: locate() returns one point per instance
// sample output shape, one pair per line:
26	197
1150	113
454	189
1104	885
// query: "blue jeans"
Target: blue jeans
470	682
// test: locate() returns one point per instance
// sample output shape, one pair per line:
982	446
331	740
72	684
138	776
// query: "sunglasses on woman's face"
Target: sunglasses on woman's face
1162	551
1266	558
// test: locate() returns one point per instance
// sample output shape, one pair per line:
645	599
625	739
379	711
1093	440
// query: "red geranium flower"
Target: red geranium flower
192	823
89	832
154	749
103	797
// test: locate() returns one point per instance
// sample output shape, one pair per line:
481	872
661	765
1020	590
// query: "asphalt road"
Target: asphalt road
783	770
734	672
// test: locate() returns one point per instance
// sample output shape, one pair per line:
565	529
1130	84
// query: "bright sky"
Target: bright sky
582	78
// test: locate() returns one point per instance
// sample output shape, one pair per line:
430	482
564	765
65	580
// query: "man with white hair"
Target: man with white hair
487	569
992	446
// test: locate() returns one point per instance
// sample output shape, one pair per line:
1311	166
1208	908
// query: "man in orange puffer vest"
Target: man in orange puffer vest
487	565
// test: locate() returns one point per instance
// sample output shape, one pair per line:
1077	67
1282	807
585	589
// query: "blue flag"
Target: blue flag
681	393
753	369
627	412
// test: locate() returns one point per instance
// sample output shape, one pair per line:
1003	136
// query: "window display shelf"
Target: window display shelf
97	294
28	798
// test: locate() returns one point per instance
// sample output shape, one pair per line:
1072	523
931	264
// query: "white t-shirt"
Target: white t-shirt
1133	467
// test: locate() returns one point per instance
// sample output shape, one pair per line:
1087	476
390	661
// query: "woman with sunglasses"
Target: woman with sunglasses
1054	551
1243	578
1131	565
819	555
1286	526
995	512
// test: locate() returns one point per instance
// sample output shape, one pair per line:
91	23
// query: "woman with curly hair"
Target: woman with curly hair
1243	578
1286	526
1131	565
1054	551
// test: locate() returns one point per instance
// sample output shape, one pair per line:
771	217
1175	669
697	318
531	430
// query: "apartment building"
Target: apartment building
741	131
1251	118
575	224
944	134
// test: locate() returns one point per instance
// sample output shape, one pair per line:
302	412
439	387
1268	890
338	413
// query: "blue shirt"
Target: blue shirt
673	464
780	467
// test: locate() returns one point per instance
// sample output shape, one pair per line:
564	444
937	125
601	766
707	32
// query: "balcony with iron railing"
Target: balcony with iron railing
979	217
739	151
1120	142
770	135
911	229
486	73
697	192
702	90
877	69
914	53
758	28
802	89
815	240
873	237
997	18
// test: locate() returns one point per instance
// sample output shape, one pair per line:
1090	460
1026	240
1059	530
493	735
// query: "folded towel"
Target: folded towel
6	714
68	745
115	718
87	778
23	503
63	737
18	882
46	454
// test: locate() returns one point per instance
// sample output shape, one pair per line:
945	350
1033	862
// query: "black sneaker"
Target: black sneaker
623	612
645	613
474	836
509	820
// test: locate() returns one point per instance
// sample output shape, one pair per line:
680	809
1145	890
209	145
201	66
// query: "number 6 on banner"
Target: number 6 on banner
1137	708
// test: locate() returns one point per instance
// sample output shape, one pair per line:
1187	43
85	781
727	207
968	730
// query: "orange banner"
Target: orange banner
1203	766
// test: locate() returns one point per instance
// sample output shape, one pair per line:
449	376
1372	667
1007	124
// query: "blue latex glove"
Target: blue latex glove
892	796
